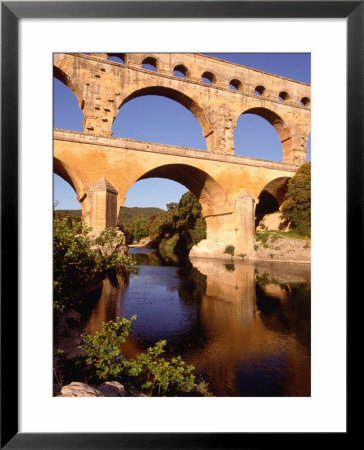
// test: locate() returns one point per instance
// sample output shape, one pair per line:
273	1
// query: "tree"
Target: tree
140	229
297	202
80	262
190	222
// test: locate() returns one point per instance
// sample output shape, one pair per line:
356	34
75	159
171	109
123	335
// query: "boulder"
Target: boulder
78	389
112	389
273	221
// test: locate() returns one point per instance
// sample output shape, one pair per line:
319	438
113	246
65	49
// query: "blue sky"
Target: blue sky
158	119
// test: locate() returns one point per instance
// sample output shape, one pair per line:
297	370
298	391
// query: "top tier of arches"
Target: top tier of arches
208	87
239	80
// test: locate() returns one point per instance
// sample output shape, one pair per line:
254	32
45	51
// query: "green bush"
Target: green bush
230	249
81	262
103	349
148	372
157	376
297	203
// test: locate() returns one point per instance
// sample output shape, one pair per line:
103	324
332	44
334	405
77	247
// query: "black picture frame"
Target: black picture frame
11	12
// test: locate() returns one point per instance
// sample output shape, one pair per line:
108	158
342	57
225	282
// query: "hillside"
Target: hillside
127	216
68	212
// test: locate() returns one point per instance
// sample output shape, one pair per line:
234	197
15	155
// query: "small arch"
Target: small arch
180	71
259	90
283	96
305	102
207	190
117	57
150	63
208	78
235	85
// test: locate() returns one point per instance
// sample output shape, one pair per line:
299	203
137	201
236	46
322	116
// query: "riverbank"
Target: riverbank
268	246
271	247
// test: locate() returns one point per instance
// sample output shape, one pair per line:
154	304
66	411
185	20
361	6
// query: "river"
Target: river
245	326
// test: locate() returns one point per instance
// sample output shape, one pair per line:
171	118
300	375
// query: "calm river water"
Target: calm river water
244	326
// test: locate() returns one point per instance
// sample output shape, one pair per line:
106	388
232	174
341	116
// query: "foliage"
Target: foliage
140	229
230	249
270	236
148	372
190	222
129	216
297	205
75	264
183	222
167	249
81	262
157	376
103	349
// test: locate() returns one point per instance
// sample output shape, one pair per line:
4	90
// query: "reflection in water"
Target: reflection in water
245	327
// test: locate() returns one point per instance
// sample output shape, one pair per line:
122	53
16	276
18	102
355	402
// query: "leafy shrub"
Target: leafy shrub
297	205
230	249
149	372
80	262
157	376
103	349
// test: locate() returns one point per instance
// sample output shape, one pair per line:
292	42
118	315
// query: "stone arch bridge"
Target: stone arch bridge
102	168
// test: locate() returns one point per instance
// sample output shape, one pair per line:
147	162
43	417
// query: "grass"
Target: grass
273	235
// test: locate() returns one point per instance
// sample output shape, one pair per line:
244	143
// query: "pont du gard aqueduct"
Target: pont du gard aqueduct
233	190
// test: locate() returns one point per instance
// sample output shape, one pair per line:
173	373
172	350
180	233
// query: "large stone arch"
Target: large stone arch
182	99
208	191
278	122
69	81
271	198
69	175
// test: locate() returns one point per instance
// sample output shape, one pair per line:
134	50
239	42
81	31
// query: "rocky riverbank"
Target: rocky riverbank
272	247
107	389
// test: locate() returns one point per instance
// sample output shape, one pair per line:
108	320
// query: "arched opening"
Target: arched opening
235	85
207	191
66	186
60	75
66	111
180	71
149	115
305	102
161	211
117	57
64	195
150	63
208	77
270	199
260	133
283	96
259	90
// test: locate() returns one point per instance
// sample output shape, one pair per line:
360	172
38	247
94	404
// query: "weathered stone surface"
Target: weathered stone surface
209	249
103	86
272	221
78	389
112	389
284	249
